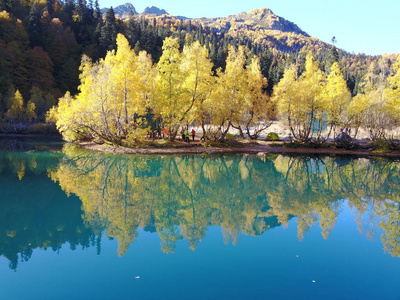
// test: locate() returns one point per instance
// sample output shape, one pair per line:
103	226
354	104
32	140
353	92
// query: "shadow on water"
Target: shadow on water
180	197
30	143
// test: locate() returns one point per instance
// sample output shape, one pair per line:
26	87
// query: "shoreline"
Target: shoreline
249	147
262	147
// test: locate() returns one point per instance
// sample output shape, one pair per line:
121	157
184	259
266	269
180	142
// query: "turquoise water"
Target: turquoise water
81	225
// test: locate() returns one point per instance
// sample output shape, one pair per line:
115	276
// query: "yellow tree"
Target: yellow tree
93	107
30	111
310	89
111	101
16	112
229	100
68	123
285	98
260	114
336	98
371	107
128	83
392	93
299	102
146	73
88	115
198	82
170	104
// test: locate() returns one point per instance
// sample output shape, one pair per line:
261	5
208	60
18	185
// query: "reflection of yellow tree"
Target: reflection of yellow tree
390	225
34	213
180	196
312	187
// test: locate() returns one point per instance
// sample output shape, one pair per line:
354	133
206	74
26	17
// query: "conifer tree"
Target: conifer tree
96	11
108	34
132	31
35	26
333	57
50	6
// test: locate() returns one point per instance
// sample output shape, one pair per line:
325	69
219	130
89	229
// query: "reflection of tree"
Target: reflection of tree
34	212
312	194
390	224
180	196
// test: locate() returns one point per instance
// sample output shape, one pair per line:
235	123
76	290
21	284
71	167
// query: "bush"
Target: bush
272	136
384	145
229	136
347	144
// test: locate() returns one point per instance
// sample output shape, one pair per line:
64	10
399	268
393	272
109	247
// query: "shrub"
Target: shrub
229	136
347	144
384	145
272	136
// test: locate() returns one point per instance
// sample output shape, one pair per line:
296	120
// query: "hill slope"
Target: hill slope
262	18
260	26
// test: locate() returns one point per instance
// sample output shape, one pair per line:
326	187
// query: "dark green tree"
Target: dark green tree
35	29
50	6
108	34
333	56
132	31
96	10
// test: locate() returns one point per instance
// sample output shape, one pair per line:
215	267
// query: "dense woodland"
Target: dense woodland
49	48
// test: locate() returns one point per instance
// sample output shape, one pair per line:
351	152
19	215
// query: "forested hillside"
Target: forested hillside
42	43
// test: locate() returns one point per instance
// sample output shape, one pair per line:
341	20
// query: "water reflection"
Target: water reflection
179	197
34	212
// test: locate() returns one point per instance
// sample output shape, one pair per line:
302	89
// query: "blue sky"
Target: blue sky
360	26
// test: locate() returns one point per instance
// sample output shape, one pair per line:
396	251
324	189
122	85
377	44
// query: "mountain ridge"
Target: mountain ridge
122	11
260	26
154	10
262	18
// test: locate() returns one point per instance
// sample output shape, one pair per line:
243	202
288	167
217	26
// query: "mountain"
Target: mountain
155	11
259	26
122	11
125	10
263	27
262	18
257	19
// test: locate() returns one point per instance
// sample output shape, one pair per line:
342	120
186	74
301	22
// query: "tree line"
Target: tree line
181	89
314	104
118	92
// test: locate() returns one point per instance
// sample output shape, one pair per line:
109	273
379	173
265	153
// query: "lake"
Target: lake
76	224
